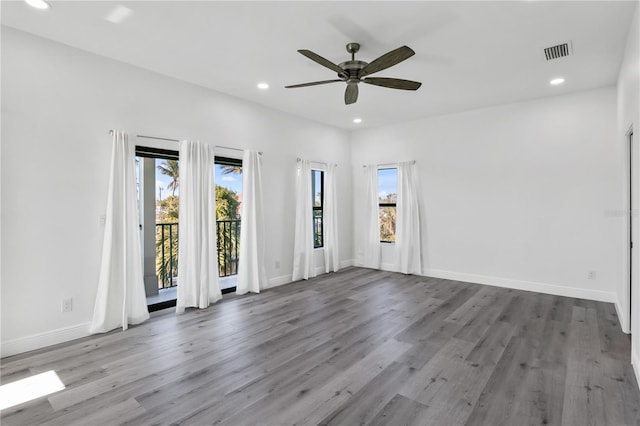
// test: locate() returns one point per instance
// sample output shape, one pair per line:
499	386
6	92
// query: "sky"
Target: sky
387	182
232	181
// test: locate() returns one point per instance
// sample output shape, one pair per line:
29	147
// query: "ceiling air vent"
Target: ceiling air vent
557	51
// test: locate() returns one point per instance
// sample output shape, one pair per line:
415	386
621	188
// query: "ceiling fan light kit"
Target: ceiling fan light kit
353	72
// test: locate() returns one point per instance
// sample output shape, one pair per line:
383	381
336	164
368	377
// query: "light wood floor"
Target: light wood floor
356	347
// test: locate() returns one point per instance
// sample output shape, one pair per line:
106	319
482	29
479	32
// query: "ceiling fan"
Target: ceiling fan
353	72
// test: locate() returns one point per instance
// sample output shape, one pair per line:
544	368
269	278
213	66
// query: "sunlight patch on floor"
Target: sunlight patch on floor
30	388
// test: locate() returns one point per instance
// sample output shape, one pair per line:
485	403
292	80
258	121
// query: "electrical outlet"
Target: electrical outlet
67	305
591	275
103	220
277	264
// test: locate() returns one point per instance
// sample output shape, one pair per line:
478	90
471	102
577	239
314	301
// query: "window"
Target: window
159	195
228	178
317	189
158	201
387	196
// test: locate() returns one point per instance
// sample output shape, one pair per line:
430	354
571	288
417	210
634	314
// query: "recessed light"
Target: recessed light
118	14
556	81
263	86
38	4
357	120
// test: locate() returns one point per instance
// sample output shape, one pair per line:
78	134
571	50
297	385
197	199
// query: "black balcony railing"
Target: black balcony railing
167	254
228	235
318	228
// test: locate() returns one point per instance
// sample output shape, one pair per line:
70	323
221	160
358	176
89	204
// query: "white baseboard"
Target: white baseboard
635	362
41	340
390	267
555	289
286	279
278	281
622	316
347	263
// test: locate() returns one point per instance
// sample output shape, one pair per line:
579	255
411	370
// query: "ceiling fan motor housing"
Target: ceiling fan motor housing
352	69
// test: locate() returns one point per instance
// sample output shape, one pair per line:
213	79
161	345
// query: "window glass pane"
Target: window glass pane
317	187
388	224
317	228
158	185
168	190
228	180
167	230
387	185
387	196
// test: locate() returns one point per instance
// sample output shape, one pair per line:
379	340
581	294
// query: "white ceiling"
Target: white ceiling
468	54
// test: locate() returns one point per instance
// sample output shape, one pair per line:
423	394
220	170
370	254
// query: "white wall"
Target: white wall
629	117
58	104
523	195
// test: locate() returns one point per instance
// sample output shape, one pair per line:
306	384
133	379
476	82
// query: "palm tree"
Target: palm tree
227	170
170	168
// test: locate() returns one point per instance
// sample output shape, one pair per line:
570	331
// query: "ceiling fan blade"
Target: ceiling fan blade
393	83
387	60
322	61
351	94
315	83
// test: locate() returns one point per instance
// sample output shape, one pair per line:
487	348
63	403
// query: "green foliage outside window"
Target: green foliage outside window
167	213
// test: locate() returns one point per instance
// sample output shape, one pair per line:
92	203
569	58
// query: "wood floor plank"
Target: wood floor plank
311	404
355	347
399	411
106	415
542	401
434	317
584	395
484	298
499	397
489	349
613	343
362	407
475	328
29	413
447	385
620	384
319	404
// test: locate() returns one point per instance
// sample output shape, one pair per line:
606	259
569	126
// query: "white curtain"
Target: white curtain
303	232
198	284
408	247
121	298
372	219
251	272
330	212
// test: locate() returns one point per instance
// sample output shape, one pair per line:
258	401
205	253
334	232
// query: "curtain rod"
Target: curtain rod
317	162
176	140
390	165
157	138
234	149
